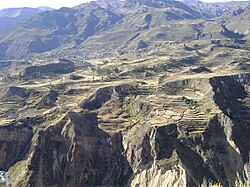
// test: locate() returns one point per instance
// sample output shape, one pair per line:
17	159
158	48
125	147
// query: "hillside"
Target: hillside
121	26
11	17
240	17
213	10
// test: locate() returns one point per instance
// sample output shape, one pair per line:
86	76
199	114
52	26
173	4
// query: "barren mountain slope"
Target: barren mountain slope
109	27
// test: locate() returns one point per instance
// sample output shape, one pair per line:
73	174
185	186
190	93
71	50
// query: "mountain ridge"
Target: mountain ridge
11	17
86	26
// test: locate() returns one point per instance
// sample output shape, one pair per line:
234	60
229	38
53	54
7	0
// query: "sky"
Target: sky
50	3
37	3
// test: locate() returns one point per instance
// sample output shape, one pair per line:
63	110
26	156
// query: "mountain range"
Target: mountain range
121	25
11	17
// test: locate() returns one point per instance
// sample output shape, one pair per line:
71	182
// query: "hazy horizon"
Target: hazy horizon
36	3
58	3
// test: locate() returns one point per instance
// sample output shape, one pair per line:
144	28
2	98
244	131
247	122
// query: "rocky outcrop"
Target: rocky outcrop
161	158
48	100
14	143
75	152
231	95
59	68
15	92
102	95
226	160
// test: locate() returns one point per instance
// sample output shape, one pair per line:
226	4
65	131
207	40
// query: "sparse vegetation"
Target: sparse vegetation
127	93
33	72
229	112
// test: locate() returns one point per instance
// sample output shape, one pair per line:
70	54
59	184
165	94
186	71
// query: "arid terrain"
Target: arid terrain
157	97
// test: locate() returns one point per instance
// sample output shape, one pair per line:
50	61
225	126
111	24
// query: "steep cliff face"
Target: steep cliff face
14	143
74	152
232	96
226	161
155	159
130	135
161	158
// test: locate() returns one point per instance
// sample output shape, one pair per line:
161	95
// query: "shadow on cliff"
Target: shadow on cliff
193	163
75	152
229	95
223	159
15	141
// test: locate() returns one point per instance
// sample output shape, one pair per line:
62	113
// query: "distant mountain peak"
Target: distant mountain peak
45	8
11	17
191	1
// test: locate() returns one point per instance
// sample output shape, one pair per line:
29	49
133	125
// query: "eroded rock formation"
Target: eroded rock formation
101	147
